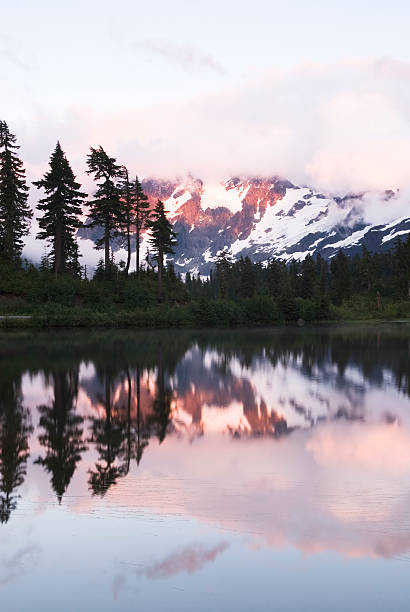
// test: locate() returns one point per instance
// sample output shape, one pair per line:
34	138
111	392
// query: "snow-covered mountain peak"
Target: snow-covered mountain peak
270	217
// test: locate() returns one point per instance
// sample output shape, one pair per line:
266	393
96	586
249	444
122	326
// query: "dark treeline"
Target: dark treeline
60	291
124	418
309	289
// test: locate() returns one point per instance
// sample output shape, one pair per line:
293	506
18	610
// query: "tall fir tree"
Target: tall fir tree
401	259
136	211
223	273
127	204
141	217
15	213
163	239
340	278
62	209
106	210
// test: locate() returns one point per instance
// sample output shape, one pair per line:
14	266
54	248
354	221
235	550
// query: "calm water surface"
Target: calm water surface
244	471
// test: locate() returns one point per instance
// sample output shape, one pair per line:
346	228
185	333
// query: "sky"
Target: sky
315	91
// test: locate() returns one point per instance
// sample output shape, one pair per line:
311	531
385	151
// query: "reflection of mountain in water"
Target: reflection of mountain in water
268	388
145	386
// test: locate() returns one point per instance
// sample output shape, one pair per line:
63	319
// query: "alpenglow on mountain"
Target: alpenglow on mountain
265	218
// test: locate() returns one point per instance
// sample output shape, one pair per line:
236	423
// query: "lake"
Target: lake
227	470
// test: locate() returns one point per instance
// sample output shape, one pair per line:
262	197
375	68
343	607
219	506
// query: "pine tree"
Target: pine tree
223	274
163	239
402	268
247	275
106	210
127	204
15	213
340	278
308	278
62	211
141	217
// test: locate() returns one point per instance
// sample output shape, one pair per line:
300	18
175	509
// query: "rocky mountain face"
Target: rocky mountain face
262	218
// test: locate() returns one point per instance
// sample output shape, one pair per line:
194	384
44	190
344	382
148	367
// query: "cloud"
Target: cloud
340	128
186	57
189	560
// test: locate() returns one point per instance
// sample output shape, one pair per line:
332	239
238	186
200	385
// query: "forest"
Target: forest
59	292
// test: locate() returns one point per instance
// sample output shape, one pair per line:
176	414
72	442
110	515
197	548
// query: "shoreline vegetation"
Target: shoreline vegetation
36	298
241	293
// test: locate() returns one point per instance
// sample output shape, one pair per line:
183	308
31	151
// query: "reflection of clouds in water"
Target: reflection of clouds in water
315	490
12	567
189	560
340	482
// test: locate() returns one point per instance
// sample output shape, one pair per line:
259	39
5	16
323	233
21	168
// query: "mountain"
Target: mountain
262	218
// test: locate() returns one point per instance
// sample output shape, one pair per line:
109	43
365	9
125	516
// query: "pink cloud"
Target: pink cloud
189	560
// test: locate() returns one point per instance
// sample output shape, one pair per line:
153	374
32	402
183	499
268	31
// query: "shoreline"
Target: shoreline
138	322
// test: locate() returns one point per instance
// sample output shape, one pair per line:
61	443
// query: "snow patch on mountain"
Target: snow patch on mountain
178	198
226	195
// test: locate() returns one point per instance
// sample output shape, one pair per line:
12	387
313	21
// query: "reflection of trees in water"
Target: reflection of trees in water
63	432
192	370
118	435
142	433
15	428
161	410
107	433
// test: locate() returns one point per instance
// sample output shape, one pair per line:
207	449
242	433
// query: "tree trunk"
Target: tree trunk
137	246
160	267
107	250
127	267
58	249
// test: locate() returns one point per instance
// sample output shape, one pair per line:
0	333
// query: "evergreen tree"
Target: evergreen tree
99	271
340	278
402	268
15	213
163	239
367	272
127	203
141	217
308	278
62	211
106	210
247	276
223	274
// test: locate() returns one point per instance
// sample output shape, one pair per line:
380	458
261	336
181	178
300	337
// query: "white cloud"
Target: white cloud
340	128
